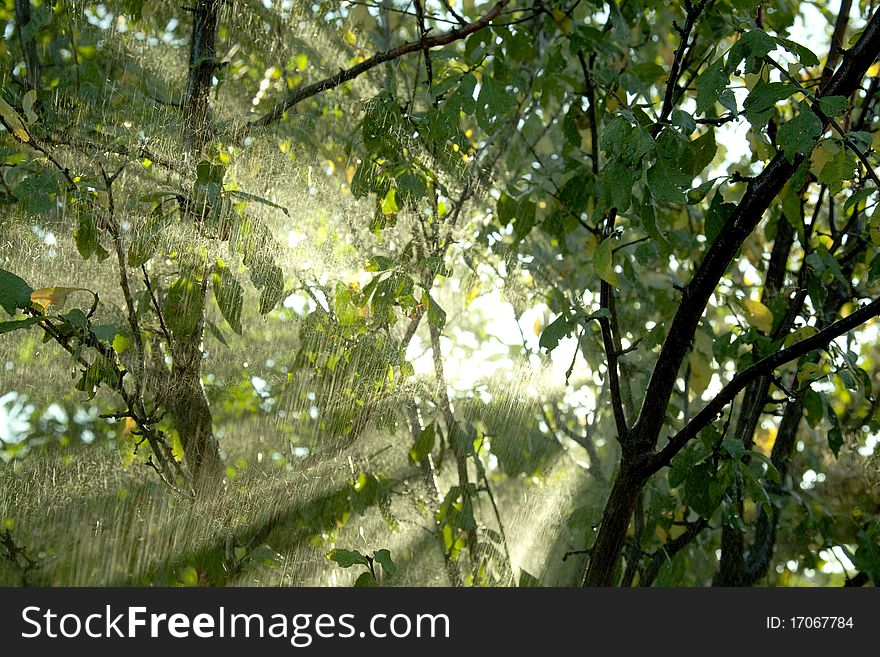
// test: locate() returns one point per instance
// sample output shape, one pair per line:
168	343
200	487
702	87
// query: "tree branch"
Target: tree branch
764	366
761	192
610	349
28	46
693	13
301	93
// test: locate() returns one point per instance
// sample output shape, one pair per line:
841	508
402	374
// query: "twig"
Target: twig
300	94
610	349
165	332
116	234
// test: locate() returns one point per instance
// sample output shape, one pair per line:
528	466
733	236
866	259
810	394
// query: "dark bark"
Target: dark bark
202	64
732	564
641	442
609	543
188	405
28	45
191	414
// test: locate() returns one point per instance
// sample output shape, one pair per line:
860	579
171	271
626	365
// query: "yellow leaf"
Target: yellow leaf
796	336
604	263
13	122
472	295
53	296
820	156
758	315
875	228
701	373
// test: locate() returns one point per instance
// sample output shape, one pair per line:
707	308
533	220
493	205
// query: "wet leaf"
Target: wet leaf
347	558
15	293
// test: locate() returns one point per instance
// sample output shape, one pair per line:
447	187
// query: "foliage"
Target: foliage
677	199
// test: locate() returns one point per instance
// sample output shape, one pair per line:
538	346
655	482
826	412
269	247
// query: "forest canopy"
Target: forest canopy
439	292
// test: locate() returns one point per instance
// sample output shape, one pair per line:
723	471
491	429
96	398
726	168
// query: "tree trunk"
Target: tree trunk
29	45
191	414
188	404
612	532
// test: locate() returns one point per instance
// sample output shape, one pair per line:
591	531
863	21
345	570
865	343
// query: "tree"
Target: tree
580	146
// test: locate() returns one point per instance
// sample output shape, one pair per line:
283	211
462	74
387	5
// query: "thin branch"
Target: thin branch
693	13
632	243
591	99
116	234
610	349
301	93
165	332
760	193
92	147
830	121
423	33
28	46
764	366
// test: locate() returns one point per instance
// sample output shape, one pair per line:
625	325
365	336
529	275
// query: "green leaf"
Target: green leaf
762	99
758	315
436	314
833	105
701	152
6	327
711	82
835	434
273	289
206	172
229	295
603	262
867	556
756	489
814	407
734	447
683	120
527	580
559	328
684	461
423	444
77	319
617	182
366	581
214	330
104	332
752	47
14	292
858	197
800	134
347	558
493	102
383	557
183	306
808	57
389	203
703	489
838	169
505	209
100	371
380	263
86	235
874	270
146	238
